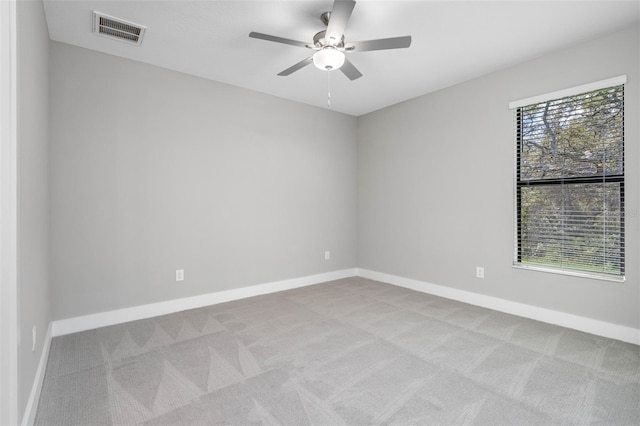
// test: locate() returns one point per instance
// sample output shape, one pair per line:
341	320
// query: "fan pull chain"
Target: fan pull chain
328	89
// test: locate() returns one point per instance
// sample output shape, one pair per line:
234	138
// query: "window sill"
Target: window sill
551	270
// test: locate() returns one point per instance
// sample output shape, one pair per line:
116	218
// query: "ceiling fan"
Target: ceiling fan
330	45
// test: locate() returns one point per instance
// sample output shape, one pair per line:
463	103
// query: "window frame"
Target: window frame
559	182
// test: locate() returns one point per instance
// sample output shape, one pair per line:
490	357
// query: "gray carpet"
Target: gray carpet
352	351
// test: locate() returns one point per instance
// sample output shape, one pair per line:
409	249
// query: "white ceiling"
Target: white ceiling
453	41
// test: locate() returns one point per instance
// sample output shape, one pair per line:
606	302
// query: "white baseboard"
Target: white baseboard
588	325
102	319
29	416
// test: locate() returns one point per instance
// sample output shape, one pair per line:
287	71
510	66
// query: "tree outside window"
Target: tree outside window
570	183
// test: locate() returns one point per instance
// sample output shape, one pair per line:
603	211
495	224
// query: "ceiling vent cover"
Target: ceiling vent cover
116	28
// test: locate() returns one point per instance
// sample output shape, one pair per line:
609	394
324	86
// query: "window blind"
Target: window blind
569	183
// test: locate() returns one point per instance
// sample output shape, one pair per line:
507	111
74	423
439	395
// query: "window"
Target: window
569	182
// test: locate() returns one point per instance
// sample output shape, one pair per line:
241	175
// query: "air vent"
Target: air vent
116	28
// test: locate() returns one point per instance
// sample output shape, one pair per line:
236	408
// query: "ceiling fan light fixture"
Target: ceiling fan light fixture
328	58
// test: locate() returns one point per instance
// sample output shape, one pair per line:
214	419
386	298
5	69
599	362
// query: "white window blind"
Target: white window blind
569	183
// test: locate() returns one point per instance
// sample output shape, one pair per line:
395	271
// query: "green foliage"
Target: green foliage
566	221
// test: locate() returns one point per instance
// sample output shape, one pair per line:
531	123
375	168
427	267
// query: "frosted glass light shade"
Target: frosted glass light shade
328	58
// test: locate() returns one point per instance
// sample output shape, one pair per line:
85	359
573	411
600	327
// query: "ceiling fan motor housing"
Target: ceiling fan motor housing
320	41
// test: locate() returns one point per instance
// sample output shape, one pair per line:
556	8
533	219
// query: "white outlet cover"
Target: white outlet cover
179	274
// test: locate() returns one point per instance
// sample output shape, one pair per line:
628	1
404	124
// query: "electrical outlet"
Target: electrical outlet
179	274
327	255
33	338
479	272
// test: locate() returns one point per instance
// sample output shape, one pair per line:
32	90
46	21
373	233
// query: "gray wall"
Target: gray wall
435	184
153	170
33	193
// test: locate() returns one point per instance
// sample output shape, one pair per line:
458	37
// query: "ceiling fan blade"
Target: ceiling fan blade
338	20
350	70
381	44
303	63
282	40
